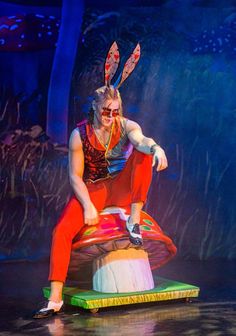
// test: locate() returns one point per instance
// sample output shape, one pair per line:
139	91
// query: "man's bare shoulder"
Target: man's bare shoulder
131	125
75	142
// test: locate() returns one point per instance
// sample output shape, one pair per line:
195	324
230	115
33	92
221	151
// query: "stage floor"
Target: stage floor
213	313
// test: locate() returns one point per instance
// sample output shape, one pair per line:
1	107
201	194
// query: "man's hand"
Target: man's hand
159	157
90	215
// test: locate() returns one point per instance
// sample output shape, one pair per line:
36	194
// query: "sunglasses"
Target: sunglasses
107	112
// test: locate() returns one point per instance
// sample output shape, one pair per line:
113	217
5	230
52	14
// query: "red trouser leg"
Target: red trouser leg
70	223
129	186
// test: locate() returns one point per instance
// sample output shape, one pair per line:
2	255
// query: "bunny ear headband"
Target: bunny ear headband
112	62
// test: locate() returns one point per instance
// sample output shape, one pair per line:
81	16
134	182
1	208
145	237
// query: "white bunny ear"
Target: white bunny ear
112	62
129	66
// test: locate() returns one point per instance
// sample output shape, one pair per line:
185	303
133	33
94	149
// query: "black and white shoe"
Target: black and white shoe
134	233
50	308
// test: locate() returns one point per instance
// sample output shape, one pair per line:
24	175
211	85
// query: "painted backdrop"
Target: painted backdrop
182	93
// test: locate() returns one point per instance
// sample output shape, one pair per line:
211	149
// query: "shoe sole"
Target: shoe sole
41	315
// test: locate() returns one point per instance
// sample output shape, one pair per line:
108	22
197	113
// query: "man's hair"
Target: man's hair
100	96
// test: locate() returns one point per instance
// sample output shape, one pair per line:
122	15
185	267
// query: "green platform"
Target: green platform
90	299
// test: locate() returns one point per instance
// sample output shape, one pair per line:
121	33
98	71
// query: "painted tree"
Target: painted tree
60	81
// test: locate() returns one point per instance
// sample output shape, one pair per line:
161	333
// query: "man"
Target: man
110	164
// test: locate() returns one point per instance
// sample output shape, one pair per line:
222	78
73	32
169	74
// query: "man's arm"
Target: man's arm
76	170
146	145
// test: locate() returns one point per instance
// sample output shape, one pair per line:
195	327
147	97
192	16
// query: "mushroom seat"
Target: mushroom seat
118	265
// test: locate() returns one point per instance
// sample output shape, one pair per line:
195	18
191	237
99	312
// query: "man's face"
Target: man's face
107	111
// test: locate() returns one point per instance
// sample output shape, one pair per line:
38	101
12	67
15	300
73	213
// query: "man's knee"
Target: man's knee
64	233
70	221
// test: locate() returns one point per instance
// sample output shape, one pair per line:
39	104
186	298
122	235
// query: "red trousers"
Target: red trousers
129	186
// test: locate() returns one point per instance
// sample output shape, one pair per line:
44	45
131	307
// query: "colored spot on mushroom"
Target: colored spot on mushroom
105	225
145	228
148	222
89	231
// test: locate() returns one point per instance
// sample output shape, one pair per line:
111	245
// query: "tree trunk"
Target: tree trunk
60	81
